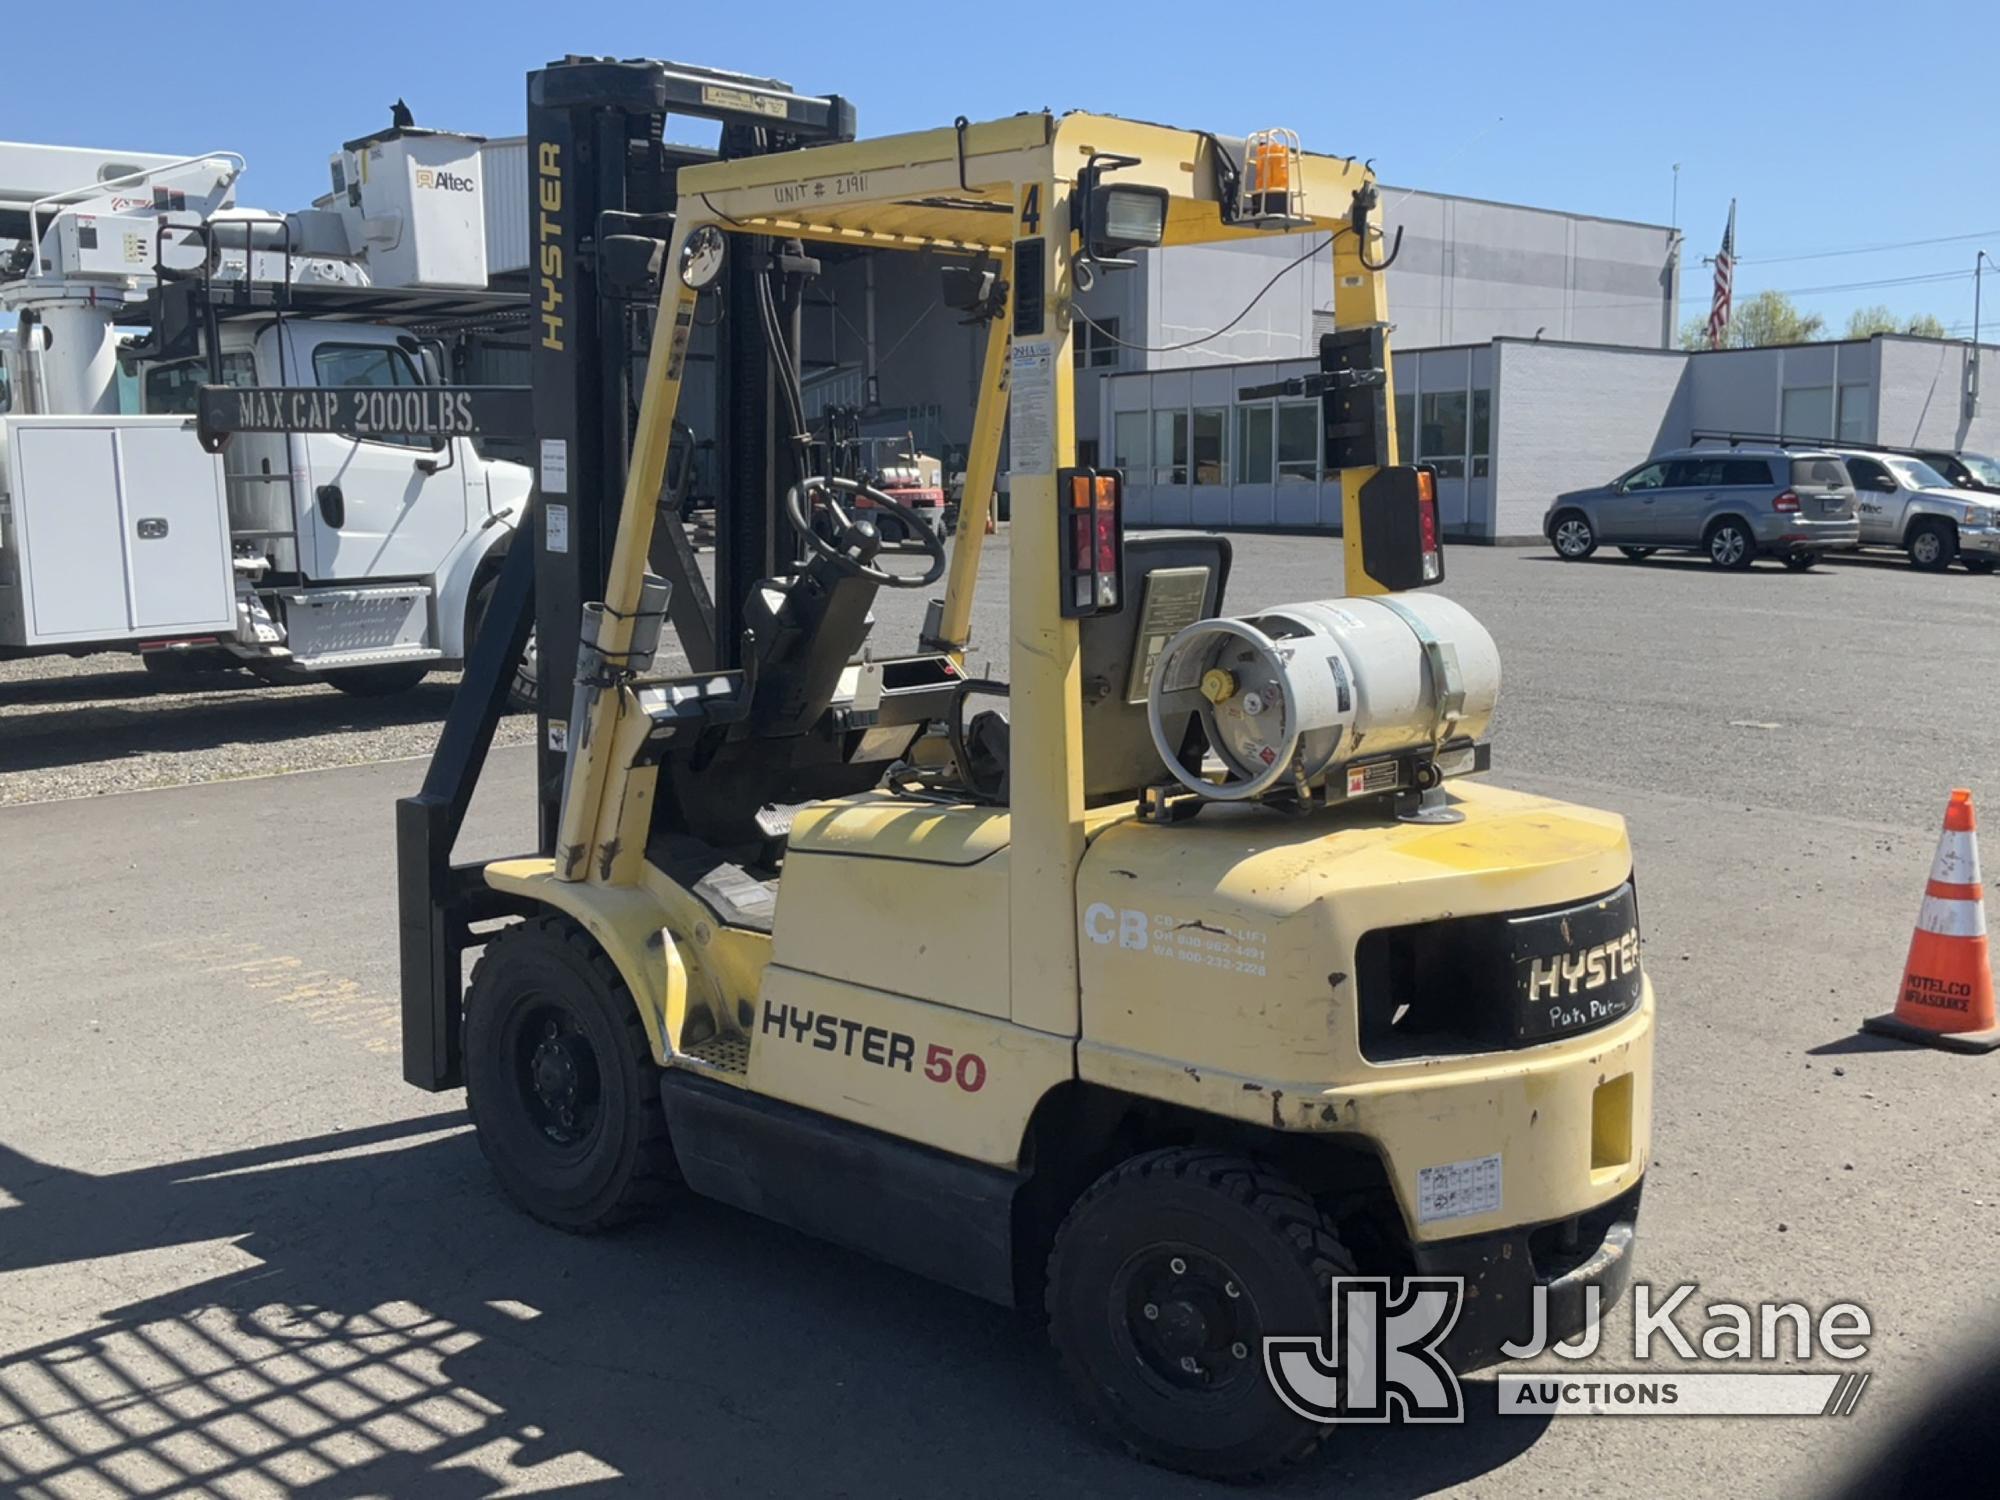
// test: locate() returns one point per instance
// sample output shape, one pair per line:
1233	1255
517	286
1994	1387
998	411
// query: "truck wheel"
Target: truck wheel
560	1083
377	682
522	692
1573	537
1932	545
1164	1281
179	666
1730	545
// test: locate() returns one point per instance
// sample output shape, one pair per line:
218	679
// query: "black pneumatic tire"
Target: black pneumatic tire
608	1162
1801	562
377	682
522	692
1572	535
1218	1216
1638	554
195	663
1977	564
1932	545
1730	544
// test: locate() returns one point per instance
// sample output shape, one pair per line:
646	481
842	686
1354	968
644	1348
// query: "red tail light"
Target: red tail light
1427	526
1094	541
1789	500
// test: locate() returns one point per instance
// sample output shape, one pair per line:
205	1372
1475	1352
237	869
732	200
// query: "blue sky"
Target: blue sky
1836	125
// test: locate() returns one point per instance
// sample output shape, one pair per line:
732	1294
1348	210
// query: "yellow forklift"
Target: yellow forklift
1227	978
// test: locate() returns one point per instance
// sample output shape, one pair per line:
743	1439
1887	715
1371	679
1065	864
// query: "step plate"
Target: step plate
726	1053
350	626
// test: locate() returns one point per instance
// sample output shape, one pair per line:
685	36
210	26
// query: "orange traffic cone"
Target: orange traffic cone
1947	994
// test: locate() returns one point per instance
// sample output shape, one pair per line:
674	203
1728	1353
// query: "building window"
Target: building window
1482	432
1093	347
1128	442
1857	414
1807	412
1441	432
1170	447
1211	453
1253	444
1298	442
1406	433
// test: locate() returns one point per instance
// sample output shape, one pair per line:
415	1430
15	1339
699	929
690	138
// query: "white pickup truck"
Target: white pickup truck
362	562
1905	503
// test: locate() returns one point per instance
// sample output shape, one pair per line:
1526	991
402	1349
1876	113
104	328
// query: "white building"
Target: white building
1511	423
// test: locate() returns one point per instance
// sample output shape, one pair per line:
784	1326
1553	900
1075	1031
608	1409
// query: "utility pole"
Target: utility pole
1972	386
1674	222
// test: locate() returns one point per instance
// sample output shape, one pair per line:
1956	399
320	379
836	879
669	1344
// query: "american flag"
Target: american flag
1725	262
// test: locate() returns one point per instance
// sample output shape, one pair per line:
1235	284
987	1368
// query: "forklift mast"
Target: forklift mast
602	199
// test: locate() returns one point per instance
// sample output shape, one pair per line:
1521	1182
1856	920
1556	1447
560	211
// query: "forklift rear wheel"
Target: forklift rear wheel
378	682
1165	1280
1801	562
1638	554
560	1082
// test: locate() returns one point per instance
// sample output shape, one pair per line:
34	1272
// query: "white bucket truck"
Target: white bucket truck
362	561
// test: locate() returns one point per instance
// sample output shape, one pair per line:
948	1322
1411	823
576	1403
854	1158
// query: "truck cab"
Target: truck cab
362	560
1905	503
361	556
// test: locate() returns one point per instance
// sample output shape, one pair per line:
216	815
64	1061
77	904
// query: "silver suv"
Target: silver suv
1734	505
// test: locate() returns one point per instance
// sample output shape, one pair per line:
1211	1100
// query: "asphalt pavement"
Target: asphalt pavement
239	1256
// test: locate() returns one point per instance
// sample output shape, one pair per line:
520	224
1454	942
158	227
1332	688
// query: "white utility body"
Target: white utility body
360	560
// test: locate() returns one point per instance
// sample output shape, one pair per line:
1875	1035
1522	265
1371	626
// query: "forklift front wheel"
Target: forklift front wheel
560	1084
1165	1280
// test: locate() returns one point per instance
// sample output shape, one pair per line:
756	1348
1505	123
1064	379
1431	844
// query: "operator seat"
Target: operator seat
1171	580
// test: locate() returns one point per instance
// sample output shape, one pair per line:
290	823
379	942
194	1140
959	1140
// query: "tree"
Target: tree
1865	322
1767	318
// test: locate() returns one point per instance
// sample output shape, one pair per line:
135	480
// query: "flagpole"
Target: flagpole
1722	305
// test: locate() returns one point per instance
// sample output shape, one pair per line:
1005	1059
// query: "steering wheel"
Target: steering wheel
831	489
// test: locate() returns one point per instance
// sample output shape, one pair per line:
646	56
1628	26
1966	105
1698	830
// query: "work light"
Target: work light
1126	218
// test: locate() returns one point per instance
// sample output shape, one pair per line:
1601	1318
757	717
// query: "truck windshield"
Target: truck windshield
170	388
1984	469
1917	474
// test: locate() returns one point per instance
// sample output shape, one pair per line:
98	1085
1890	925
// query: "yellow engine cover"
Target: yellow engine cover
1218	970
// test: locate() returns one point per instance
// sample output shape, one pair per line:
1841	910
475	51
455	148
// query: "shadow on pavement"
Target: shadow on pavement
73	730
1860	1041
403	1332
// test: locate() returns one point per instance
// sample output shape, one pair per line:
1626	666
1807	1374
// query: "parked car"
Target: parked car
1733	506
1906	503
1966	471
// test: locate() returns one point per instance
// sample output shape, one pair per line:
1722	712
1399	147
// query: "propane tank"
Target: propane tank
1289	696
